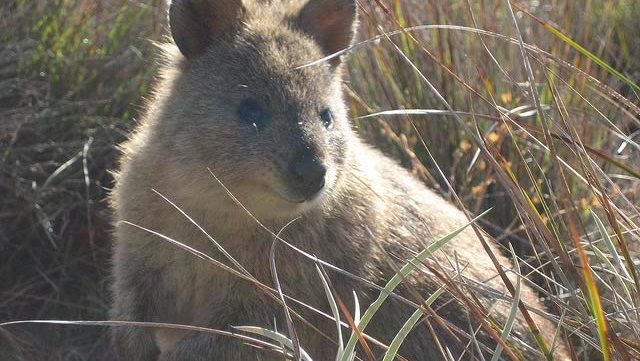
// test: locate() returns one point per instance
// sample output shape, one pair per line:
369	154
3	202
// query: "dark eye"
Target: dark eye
252	113
327	118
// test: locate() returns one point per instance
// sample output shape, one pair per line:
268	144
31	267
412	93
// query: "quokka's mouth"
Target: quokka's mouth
298	200
294	201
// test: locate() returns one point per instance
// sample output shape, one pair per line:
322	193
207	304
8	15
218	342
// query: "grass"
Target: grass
72	73
348	352
528	107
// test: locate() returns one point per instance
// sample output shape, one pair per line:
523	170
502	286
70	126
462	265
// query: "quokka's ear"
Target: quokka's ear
332	23
195	24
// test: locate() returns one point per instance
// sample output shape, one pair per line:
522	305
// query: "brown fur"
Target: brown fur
368	217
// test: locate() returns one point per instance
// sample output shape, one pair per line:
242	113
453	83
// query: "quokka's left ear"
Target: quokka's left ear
331	23
196	24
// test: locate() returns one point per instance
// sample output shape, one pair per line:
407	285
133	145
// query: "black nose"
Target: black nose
307	173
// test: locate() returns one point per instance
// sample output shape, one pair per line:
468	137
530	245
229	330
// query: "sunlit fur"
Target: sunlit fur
369	218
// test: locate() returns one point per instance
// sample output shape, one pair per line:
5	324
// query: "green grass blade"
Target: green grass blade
407	327
593	297
274	336
356	321
609	243
334	310
395	281
514	308
356	309
559	34
401	335
603	257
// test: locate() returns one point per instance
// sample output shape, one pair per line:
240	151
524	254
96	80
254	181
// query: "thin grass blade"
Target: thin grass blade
397	278
408	326
275	336
514	308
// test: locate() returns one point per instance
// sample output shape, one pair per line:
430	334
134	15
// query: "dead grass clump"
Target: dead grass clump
71	74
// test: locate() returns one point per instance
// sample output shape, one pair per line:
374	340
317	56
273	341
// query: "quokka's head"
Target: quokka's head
244	104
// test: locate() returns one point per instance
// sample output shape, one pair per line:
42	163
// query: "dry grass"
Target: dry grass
543	132
65	102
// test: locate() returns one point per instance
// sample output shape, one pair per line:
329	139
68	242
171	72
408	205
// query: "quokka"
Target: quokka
235	100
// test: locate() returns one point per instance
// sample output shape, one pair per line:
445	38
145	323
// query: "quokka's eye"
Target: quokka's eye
327	118
251	112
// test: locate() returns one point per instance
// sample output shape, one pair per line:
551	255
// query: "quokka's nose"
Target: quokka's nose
307	173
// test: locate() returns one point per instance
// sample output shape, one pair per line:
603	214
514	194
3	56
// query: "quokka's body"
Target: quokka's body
235	101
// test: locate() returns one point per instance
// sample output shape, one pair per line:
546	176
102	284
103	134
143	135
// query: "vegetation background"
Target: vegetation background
545	131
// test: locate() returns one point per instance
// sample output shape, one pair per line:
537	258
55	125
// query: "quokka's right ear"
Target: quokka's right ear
195	24
332	23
